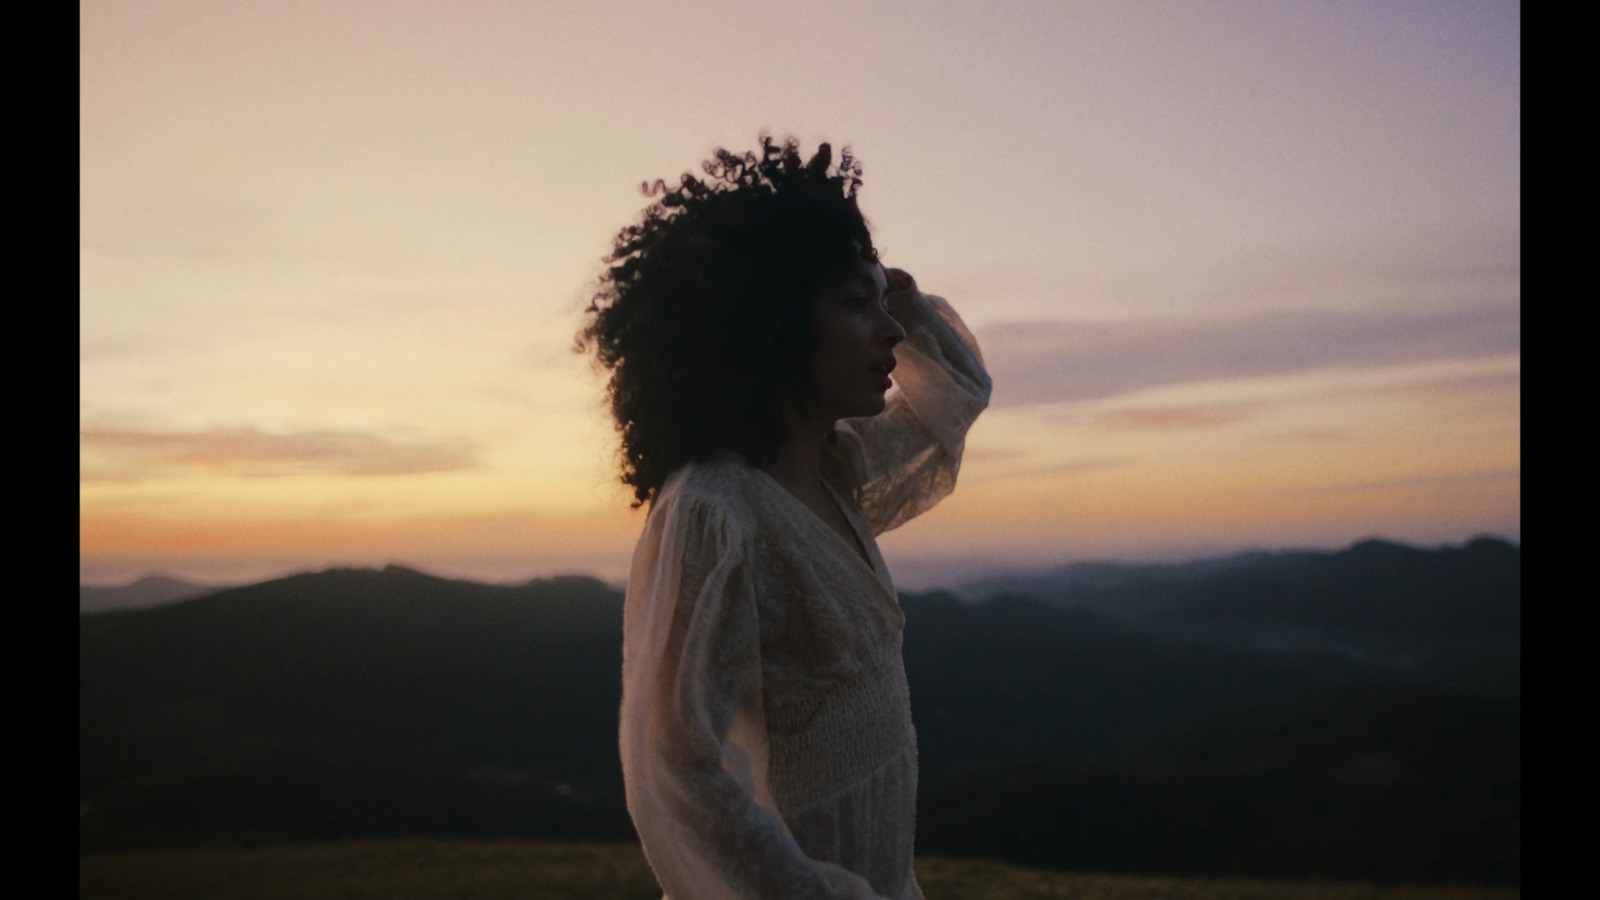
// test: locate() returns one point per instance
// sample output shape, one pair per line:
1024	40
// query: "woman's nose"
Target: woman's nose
893	332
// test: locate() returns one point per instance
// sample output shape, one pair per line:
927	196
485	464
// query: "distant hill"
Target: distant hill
353	702
1371	587
151	590
1450	614
380	703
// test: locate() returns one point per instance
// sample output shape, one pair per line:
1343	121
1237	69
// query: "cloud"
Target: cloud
1448	478
248	451
1431	269
991	455
1004	464
1048	362
157	221
1165	418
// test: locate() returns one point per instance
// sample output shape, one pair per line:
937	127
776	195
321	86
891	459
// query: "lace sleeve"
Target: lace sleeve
901	462
692	730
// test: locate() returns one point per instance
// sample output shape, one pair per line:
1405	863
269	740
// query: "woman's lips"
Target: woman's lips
880	373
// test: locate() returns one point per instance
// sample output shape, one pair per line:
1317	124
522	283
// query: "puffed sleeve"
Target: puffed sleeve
692	732
901	462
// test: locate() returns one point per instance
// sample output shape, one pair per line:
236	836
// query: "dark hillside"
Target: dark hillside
331	700
357	703
1016	678
1383	783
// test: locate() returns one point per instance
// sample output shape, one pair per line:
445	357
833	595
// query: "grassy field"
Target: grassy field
456	870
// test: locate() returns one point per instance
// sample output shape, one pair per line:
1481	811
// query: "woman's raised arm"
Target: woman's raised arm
901	462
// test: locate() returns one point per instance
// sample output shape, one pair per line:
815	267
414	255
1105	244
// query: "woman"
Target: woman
766	738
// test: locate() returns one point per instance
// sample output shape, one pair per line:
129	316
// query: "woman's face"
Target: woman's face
855	344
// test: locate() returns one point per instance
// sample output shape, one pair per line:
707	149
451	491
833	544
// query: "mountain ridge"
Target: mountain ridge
388	702
160	588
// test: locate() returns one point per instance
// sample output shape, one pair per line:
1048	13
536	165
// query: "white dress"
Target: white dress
766	738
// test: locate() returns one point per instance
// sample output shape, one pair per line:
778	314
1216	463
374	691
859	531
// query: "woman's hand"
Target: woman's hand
899	280
900	293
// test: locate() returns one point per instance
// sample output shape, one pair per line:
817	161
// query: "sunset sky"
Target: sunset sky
1247	274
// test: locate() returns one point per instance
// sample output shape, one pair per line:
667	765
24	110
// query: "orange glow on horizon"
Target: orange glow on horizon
332	260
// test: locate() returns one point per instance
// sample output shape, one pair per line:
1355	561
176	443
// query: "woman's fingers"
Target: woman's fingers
899	279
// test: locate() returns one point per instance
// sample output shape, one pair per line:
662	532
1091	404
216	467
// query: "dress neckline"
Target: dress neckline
862	552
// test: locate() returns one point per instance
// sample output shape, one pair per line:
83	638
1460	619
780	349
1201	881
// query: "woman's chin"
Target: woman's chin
861	406
870	407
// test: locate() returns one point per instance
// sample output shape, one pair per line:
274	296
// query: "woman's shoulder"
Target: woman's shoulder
723	487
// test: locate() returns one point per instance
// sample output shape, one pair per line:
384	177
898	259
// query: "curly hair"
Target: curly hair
704	314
